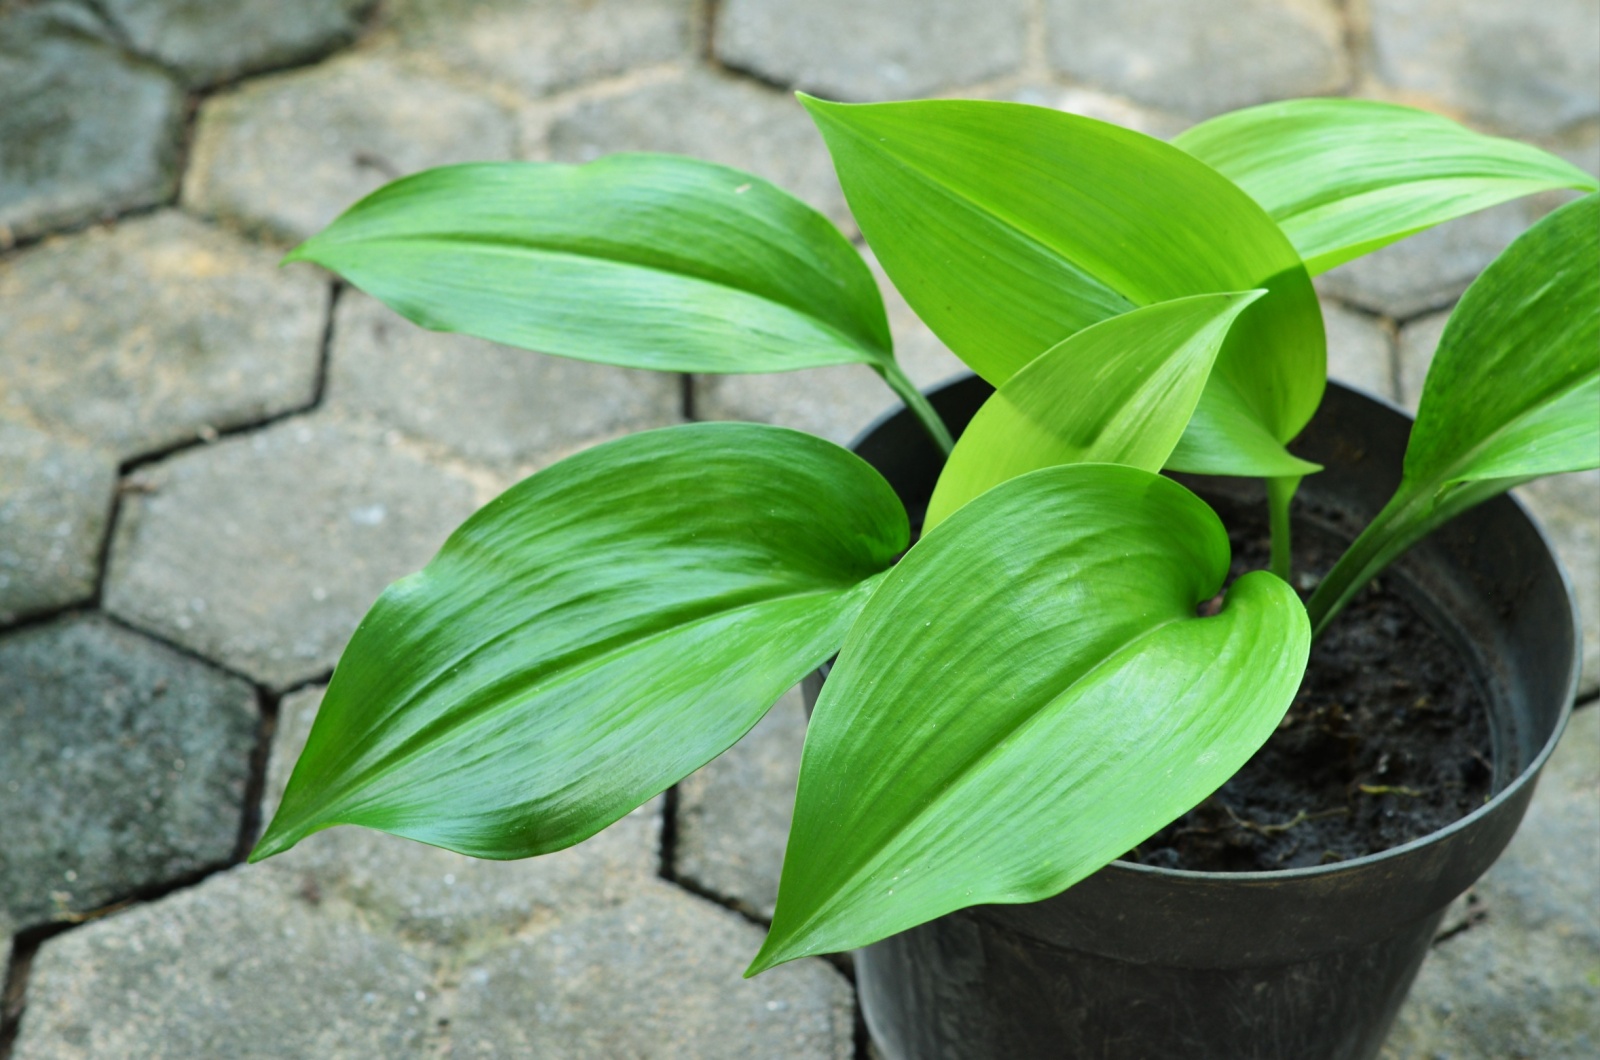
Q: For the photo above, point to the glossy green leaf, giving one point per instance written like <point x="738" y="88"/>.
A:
<point x="647" y="261"/>
<point x="1028" y="694"/>
<point x="1347" y="176"/>
<point x="1117" y="392"/>
<point x="1008" y="228"/>
<point x="591" y="637"/>
<point x="1513" y="393"/>
<point x="1223" y="438"/>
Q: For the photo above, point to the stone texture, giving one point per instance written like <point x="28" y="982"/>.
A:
<point x="715" y="118"/>
<point x="1430" y="269"/>
<point x="1200" y="57"/>
<point x="444" y="897"/>
<point x="538" y="46"/>
<point x="1568" y="506"/>
<point x="55" y="500"/>
<point x="84" y="131"/>
<point x="264" y="551"/>
<point x="1524" y="982"/>
<point x="487" y="403"/>
<point x="285" y="155"/>
<point x="836" y="402"/>
<point x="656" y="976"/>
<point x="211" y="42"/>
<point x="1532" y="68"/>
<point x="1360" y="350"/>
<point x="734" y="812"/>
<point x="1418" y="341"/>
<point x="123" y="766"/>
<point x="890" y="49"/>
<point x="1100" y="106"/>
<point x="241" y="966"/>
<point x="148" y="333"/>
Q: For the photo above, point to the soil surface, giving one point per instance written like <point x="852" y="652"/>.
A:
<point x="1388" y="739"/>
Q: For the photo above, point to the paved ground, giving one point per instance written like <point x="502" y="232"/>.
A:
<point x="209" y="467"/>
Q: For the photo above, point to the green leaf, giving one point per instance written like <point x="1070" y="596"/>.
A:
<point x="1347" y="176"/>
<point x="591" y="637"/>
<point x="1223" y="438"/>
<point x="647" y="261"/>
<point x="1513" y="393"/>
<point x="1028" y="694"/>
<point x="1117" y="392"/>
<point x="1009" y="228"/>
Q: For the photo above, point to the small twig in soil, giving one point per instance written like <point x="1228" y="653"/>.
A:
<point x="1389" y="789"/>
<point x="1300" y="817"/>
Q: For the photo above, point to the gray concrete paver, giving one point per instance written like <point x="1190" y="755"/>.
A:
<point x="494" y="405"/>
<point x="211" y="42"/>
<point x="150" y="332"/>
<point x="85" y="131"/>
<point x="446" y="898"/>
<point x="244" y="966"/>
<point x="658" y="975"/>
<point x="1200" y="57"/>
<point x="123" y="766"/>
<point x="536" y="47"/>
<point x="1529" y="67"/>
<point x="263" y="552"/>
<point x="734" y="811"/>
<point x="55" y="502"/>
<point x="1524" y="981"/>
<point x="284" y="155"/>
<point x="889" y="49"/>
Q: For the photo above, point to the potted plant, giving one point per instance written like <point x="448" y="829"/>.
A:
<point x="1048" y="676"/>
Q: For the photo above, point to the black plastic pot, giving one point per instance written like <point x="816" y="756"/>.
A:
<point x="1306" y="964"/>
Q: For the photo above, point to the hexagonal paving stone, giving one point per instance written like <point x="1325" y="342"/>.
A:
<point x="1430" y="269"/>
<point x="658" y="975"/>
<point x="538" y="46"/>
<point x="1418" y="341"/>
<point x="287" y="154"/>
<point x="445" y="897"/>
<point x="84" y="130"/>
<point x="55" y="500"/>
<point x="142" y="335"/>
<point x="734" y="812"/>
<point x="1533" y="68"/>
<point x="1568" y="506"/>
<point x="890" y="49"/>
<point x="1200" y="57"/>
<point x="716" y="118"/>
<point x="1525" y="980"/>
<point x="208" y="43"/>
<point x="123" y="766"/>
<point x="486" y="402"/>
<point x="836" y="402"/>
<point x="1360" y="351"/>
<point x="263" y="552"/>
<point x="241" y="966"/>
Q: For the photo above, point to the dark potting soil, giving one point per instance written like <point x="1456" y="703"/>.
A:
<point x="1387" y="740"/>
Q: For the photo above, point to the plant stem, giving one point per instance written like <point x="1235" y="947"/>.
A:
<point x="907" y="391"/>
<point x="1280" y="491"/>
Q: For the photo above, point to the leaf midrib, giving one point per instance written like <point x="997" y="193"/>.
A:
<point x="957" y="194"/>
<point x="552" y="677"/>
<point x="528" y="248"/>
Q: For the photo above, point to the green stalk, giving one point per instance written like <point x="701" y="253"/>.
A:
<point x="907" y="391"/>
<point x="1280" y="491"/>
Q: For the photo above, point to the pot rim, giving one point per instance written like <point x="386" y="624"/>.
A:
<point x="1526" y="776"/>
